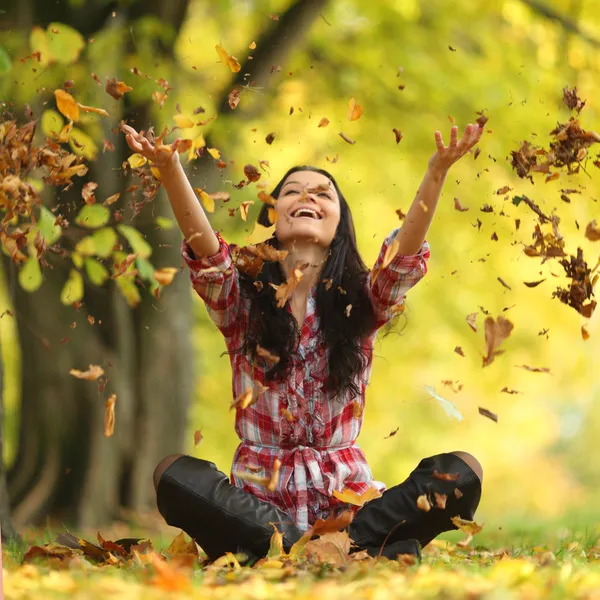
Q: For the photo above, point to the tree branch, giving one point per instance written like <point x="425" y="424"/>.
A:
<point x="568" y="24"/>
<point x="274" y="45"/>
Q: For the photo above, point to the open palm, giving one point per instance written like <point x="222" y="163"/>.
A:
<point x="446" y="156"/>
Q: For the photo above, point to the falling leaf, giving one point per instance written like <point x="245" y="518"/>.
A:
<point x="260" y="234"/>
<point x="268" y="482"/>
<point x="66" y="105"/>
<point x="592" y="231"/>
<point x="165" y="275"/>
<point x="504" y="283"/>
<point x="468" y="527"/>
<point x="266" y="198"/>
<point x="351" y="497"/>
<point x="284" y="291"/>
<point x="346" y="138"/>
<point x="93" y="109"/>
<point x="532" y="284"/>
<point x="471" y="321"/>
<point x="116" y="88"/>
<point x="534" y="369"/>
<point x="112" y="199"/>
<point x="488" y="413"/>
<point x="214" y="153"/>
<point x="392" y="433"/>
<point x="229" y="60"/>
<point x="423" y="503"/>
<point x="234" y="98"/>
<point x="398" y="135"/>
<point x="495" y="333"/>
<point x="252" y="46"/>
<point x="252" y="173"/>
<point x="270" y="138"/>
<point x="243" y="400"/>
<point x="272" y="215"/>
<point x="323" y="122"/>
<point x="332" y="524"/>
<point x="109" y="416"/>
<point x="459" y="351"/>
<point x="449" y="407"/>
<point x="197" y="437"/>
<point x="183" y="122"/>
<point x="92" y="374"/>
<point x="459" y="206"/>
<point x="354" y="110"/>
<point x="136" y="161"/>
<point x="87" y="192"/>
<point x="244" y="209"/>
<point x="207" y="200"/>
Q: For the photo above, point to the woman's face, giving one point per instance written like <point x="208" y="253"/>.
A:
<point x="308" y="209"/>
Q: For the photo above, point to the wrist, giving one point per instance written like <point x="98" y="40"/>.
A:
<point x="437" y="172"/>
<point x="170" y="168"/>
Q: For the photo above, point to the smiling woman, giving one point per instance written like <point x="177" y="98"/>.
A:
<point x="300" y="331"/>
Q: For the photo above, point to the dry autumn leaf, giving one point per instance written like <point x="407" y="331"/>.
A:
<point x="244" y="209"/>
<point x="183" y="122"/>
<point x="109" y="416"/>
<point x="230" y="61"/>
<point x="488" y="413"/>
<point x="92" y="374"/>
<point x="323" y="122"/>
<point x="592" y="231"/>
<point x="197" y="437"/>
<point x="351" y="497"/>
<point x="66" y="105"/>
<point x="471" y="321"/>
<point x="423" y="503"/>
<point x="207" y="200"/>
<point x="458" y="206"/>
<point x="165" y="275"/>
<point x="269" y="482"/>
<point x="117" y="88"/>
<point x="354" y="110"/>
<point x="495" y="333"/>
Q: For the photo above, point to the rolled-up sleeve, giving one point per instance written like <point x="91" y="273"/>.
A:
<point x="391" y="283"/>
<point x="216" y="280"/>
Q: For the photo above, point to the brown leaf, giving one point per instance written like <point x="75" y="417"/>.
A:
<point x="87" y="192"/>
<point x="285" y="290"/>
<point x="504" y="283"/>
<point x="330" y="548"/>
<point x="585" y="334"/>
<point x="440" y="500"/>
<point x="495" y="333"/>
<point x="268" y="356"/>
<point x="93" y="373"/>
<point x="234" y="98"/>
<point x="535" y="369"/>
<point x="445" y="476"/>
<point x="332" y="524"/>
<point x="488" y="413"/>
<point x="252" y="173"/>
<point x="346" y="138"/>
<point x="507" y="391"/>
<point x="458" y="206"/>
<point x="592" y="231"/>
<point x="197" y="437"/>
<point x="459" y="351"/>
<point x="269" y="482"/>
<point x="323" y="122"/>
<point x="109" y="416"/>
<point x="270" y="138"/>
<point x="533" y="284"/>
<point x="117" y="88"/>
<point x="398" y="135"/>
<point x="392" y="433"/>
<point x="471" y="321"/>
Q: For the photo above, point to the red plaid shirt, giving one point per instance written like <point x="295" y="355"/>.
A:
<point x="318" y="449"/>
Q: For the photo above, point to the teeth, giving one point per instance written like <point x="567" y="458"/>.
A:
<point x="306" y="212"/>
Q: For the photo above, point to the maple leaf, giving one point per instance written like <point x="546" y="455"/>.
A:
<point x="495" y="333"/>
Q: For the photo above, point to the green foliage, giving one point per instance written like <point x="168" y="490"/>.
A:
<point x="137" y="242"/>
<point x="93" y="216"/>
<point x="5" y="62"/>
<point x="73" y="288"/>
<point x="30" y="275"/>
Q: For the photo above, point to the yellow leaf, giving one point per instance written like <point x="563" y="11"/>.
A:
<point x="324" y="122"/>
<point x="252" y="46"/>
<point x="347" y="495"/>
<point x="155" y="172"/>
<point x="207" y="200"/>
<point x="93" y="109"/>
<point x="93" y="373"/>
<point x="272" y="214"/>
<point x="244" y="209"/>
<point x="214" y="153"/>
<point x="137" y="160"/>
<point x="229" y="60"/>
<point x="183" y="122"/>
<point x="66" y="105"/>
<point x="165" y="275"/>
<point x="354" y="110"/>
<point x="260" y="234"/>
<point x="197" y="143"/>
<point x="82" y="144"/>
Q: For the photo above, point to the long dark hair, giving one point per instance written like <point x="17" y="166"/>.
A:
<point x="342" y="282"/>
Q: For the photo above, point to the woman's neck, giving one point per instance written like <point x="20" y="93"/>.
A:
<point x="302" y="253"/>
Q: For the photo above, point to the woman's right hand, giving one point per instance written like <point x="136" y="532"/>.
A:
<point x="162" y="156"/>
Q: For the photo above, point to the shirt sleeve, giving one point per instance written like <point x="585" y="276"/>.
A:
<point x="392" y="283"/>
<point x="216" y="280"/>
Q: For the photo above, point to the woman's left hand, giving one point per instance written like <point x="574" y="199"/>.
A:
<point x="446" y="156"/>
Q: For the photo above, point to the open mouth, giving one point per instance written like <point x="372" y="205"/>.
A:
<point x="306" y="213"/>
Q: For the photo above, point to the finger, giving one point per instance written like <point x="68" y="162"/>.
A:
<point x="146" y="144"/>
<point x="468" y="137"/>
<point x="439" y="141"/>
<point x="128" y="129"/>
<point x="453" y="136"/>
<point x="133" y="144"/>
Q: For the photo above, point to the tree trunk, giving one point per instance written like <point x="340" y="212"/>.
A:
<point x="7" y="528"/>
<point x="65" y="467"/>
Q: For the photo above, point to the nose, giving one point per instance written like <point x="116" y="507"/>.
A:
<point x="311" y="196"/>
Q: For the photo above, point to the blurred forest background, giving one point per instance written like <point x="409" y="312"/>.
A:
<point x="415" y="66"/>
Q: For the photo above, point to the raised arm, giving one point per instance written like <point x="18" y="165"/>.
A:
<point x="416" y="224"/>
<point x="188" y="211"/>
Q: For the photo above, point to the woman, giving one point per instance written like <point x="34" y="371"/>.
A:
<point x="300" y="330"/>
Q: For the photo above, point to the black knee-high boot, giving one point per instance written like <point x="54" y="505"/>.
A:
<point x="195" y="496"/>
<point x="395" y="516"/>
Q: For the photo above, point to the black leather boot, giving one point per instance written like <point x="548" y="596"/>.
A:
<point x="195" y="496"/>
<point x="395" y="516"/>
